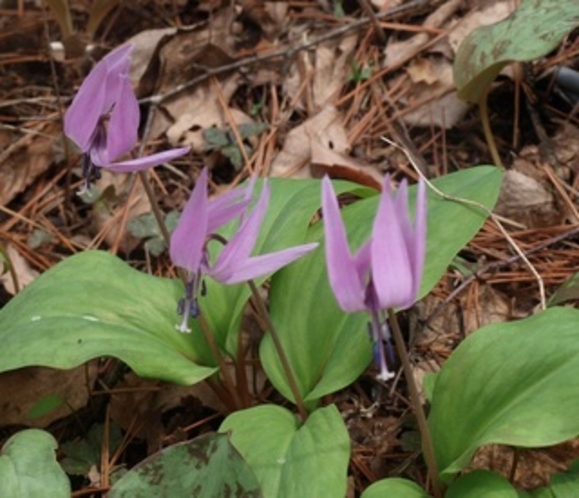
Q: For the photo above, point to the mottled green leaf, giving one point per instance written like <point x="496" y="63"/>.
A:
<point x="208" y="466"/>
<point x="532" y="31"/>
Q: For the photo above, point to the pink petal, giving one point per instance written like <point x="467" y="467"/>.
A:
<point x="345" y="280"/>
<point x="227" y="207"/>
<point x="238" y="249"/>
<point x="92" y="100"/>
<point x="391" y="270"/>
<point x="124" y="122"/>
<point x="188" y="239"/>
<point x="260" y="266"/>
<point x="142" y="163"/>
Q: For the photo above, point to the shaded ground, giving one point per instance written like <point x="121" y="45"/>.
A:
<point x="308" y="88"/>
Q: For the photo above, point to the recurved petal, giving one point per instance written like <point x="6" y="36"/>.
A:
<point x="238" y="249"/>
<point x="260" y="266"/>
<point x="142" y="163"/>
<point x="188" y="239"/>
<point x="124" y="122"/>
<point x="346" y="282"/>
<point x="391" y="266"/>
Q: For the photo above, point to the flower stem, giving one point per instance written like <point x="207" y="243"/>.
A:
<point x="155" y="206"/>
<point x="258" y="301"/>
<point x="427" y="446"/>
<point x="227" y="380"/>
<point x="486" y="124"/>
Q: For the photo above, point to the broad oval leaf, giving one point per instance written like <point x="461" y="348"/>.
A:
<point x="532" y="31"/>
<point x="327" y="348"/>
<point x="394" y="486"/>
<point x="481" y="483"/>
<point x="509" y="383"/>
<point x="289" y="460"/>
<point x="28" y="467"/>
<point x="93" y="304"/>
<point x="205" y="466"/>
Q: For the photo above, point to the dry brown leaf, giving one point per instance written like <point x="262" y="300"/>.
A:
<point x="397" y="52"/>
<point x="21" y="389"/>
<point x="269" y="16"/>
<point x="526" y="200"/>
<point x="491" y="13"/>
<point x="338" y="165"/>
<point x="24" y="158"/>
<point x="432" y="97"/>
<point x="109" y="210"/>
<point x="201" y="111"/>
<point x="24" y="272"/>
<point x="145" y="43"/>
<point x="332" y="68"/>
<point x="326" y="128"/>
<point x="328" y="67"/>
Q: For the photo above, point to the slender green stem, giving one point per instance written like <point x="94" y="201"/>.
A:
<point x="427" y="446"/>
<point x="290" y="377"/>
<point x="155" y="206"/>
<point x="486" y="124"/>
<point x="227" y="380"/>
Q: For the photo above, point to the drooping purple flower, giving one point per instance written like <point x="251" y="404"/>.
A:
<point x="107" y="95"/>
<point x="386" y="271"/>
<point x="234" y="264"/>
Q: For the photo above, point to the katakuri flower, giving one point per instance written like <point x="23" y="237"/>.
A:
<point x="234" y="264"/>
<point x="103" y="119"/>
<point x="386" y="271"/>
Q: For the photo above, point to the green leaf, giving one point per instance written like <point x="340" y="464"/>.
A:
<point x="45" y="405"/>
<point x="28" y="467"/>
<point x="248" y="130"/>
<point x="569" y="291"/>
<point x="532" y="31"/>
<point x="481" y="483"/>
<point x="143" y="226"/>
<point x="289" y="460"/>
<point x="93" y="304"/>
<point x="327" y="348"/>
<point x="509" y="383"/>
<point x="206" y="466"/>
<point x="394" y="486"/>
<point x="216" y="138"/>
<point x="85" y="453"/>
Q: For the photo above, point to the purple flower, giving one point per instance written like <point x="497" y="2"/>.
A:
<point x="234" y="264"/>
<point x="386" y="270"/>
<point x="107" y="93"/>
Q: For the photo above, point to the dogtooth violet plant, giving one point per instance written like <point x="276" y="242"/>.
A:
<point x="94" y="304"/>
<point x="103" y="120"/>
<point x="196" y="228"/>
<point x="385" y="273"/>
